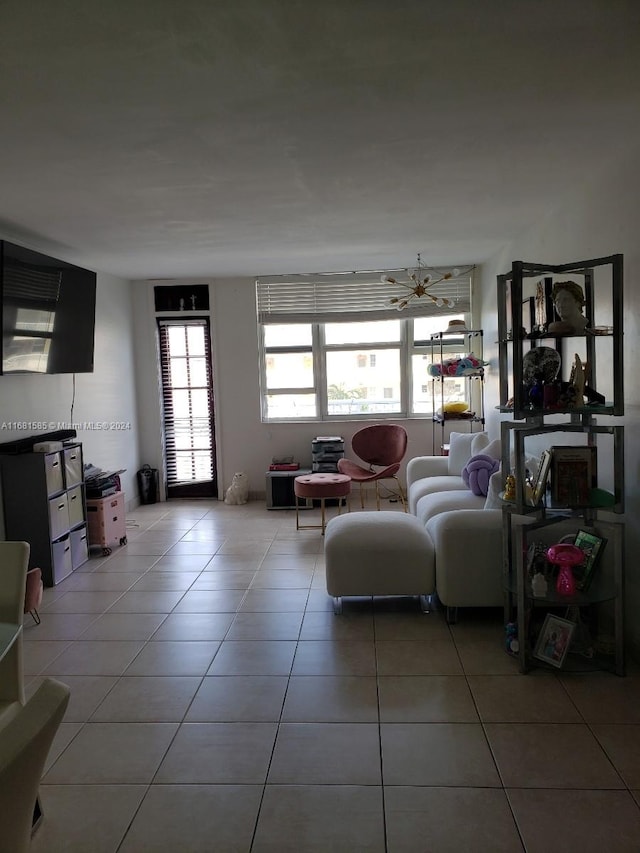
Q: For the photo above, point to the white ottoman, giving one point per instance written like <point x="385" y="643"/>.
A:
<point x="378" y="553"/>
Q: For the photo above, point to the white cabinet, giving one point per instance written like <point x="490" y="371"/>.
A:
<point x="44" y="505"/>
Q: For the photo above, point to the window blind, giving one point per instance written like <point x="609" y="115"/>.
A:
<point x="349" y="297"/>
<point x="188" y="428"/>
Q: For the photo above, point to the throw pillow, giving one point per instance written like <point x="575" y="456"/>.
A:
<point x="479" y="443"/>
<point x="463" y="445"/>
<point x="496" y="487"/>
<point x="493" y="449"/>
<point x="477" y="472"/>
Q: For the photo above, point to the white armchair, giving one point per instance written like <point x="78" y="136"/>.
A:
<point x="25" y="741"/>
<point x="14" y="560"/>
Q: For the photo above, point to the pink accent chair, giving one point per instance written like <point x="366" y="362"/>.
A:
<point x="382" y="447"/>
<point x="33" y="594"/>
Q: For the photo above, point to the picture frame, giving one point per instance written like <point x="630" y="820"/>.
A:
<point x="539" y="485"/>
<point x="573" y="474"/>
<point x="554" y="640"/>
<point x="593" y="546"/>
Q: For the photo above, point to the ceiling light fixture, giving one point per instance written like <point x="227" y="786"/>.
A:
<point x="421" y="280"/>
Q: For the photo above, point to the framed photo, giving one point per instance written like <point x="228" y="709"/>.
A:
<point x="539" y="485"/>
<point x="573" y="474"/>
<point x="593" y="547"/>
<point x="554" y="640"/>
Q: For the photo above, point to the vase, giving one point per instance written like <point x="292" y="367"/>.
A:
<point x="565" y="583"/>
<point x="565" y="556"/>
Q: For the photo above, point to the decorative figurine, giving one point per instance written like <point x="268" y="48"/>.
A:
<point x="577" y="379"/>
<point x="568" y="300"/>
<point x="539" y="585"/>
<point x="510" y="488"/>
<point x="193" y="301"/>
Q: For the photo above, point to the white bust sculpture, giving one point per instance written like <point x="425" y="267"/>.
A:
<point x="568" y="300"/>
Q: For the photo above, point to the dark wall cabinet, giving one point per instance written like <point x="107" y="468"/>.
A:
<point x="45" y="505"/>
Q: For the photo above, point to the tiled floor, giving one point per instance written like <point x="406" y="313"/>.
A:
<point x="219" y="705"/>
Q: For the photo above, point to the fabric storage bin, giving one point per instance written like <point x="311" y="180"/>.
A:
<point x="73" y="469"/>
<point x="53" y="473"/>
<point x="76" y="506"/>
<point x="62" y="565"/>
<point x="79" y="547"/>
<point x="58" y="516"/>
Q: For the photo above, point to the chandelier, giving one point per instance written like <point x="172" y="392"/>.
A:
<point x="421" y="280"/>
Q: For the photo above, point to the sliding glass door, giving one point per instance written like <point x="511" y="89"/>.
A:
<point x="187" y="396"/>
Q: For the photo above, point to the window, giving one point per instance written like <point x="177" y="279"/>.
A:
<point x="187" y="396"/>
<point x="332" y="349"/>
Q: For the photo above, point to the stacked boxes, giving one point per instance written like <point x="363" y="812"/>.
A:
<point x="325" y="452"/>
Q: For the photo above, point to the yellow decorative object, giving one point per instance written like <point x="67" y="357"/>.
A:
<point x="455" y="408"/>
<point x="510" y="488"/>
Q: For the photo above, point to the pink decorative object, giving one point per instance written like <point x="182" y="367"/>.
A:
<point x="565" y="556"/>
<point x="33" y="594"/>
<point x="477" y="473"/>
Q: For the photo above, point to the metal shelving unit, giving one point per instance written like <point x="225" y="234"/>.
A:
<point x="442" y="344"/>
<point x="598" y="612"/>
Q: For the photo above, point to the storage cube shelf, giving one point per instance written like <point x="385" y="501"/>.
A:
<point x="44" y="505"/>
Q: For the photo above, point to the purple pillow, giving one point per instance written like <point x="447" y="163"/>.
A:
<point x="477" y="473"/>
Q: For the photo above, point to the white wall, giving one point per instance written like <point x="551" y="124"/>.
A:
<point x="243" y="442"/>
<point x="105" y="396"/>
<point x="602" y="218"/>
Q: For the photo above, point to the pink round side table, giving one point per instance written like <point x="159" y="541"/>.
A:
<point x="320" y="487"/>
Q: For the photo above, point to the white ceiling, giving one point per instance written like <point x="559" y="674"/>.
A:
<point x="176" y="138"/>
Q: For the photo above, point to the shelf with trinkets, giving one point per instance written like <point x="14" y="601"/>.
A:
<point x="459" y="375"/>
<point x="561" y="379"/>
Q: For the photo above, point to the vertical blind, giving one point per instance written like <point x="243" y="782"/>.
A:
<point x="187" y="396"/>
<point x="349" y="297"/>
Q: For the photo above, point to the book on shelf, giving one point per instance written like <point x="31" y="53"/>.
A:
<point x="573" y="474"/>
<point x="539" y="483"/>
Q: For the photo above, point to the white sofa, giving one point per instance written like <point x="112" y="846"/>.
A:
<point x="466" y="529"/>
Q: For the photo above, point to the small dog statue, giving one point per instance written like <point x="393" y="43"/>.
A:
<point x="238" y="491"/>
